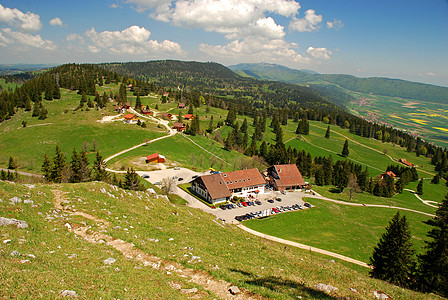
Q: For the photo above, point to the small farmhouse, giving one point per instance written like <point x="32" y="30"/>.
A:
<point x="131" y="119"/>
<point x="389" y="173"/>
<point x="146" y="111"/>
<point x="179" y="126"/>
<point x="405" y="162"/>
<point x="189" y="117"/>
<point x="127" y="105"/>
<point x="155" y="158"/>
<point x="165" y="116"/>
<point x="181" y="105"/>
<point x="285" y="177"/>
<point x="119" y="109"/>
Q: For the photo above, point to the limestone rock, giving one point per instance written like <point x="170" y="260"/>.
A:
<point x="234" y="290"/>
<point x="68" y="293"/>
<point x="109" y="261"/>
<point x="325" y="288"/>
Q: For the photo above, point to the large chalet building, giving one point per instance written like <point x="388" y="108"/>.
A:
<point x="220" y="187"/>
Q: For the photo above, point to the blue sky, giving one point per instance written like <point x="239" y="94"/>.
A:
<point x="396" y="39"/>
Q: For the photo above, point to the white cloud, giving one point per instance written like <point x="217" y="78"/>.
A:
<point x="319" y="53"/>
<point x="17" y="38"/>
<point x="132" y="40"/>
<point x="253" y="49"/>
<point x="335" y="24"/>
<point x="73" y="37"/>
<point x="27" y="22"/>
<point x="310" y="22"/>
<point x="56" y="22"/>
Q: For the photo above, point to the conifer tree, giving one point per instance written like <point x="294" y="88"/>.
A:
<point x="132" y="181"/>
<point x="12" y="165"/>
<point x="138" y="103"/>
<point x="28" y="103"/>
<point x="58" y="166"/>
<point x="75" y="166"/>
<point x="420" y="187"/>
<point x="327" y="133"/>
<point x="99" y="169"/>
<point x="263" y="149"/>
<point x="231" y="116"/>
<point x="432" y="273"/>
<point x="345" y="150"/>
<point x="392" y="259"/>
<point x="46" y="168"/>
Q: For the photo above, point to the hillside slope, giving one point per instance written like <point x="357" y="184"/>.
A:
<point x="97" y="240"/>
<point x="375" y="85"/>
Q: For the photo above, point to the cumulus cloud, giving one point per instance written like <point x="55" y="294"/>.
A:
<point x="335" y="24"/>
<point x="132" y="40"/>
<point x="10" y="37"/>
<point x="73" y="37"/>
<point x="319" y="53"/>
<point x="56" y="22"/>
<point x="310" y="22"/>
<point x="26" y="22"/>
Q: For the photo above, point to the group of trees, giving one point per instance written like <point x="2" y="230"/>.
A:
<point x="78" y="169"/>
<point x="393" y="258"/>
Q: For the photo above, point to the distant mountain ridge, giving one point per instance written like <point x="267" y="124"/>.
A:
<point x="376" y="85"/>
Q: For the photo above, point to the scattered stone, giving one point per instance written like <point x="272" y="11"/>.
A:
<point x="31" y="186"/>
<point x="198" y="258"/>
<point x="116" y="227"/>
<point x="25" y="261"/>
<point x="117" y="269"/>
<point x="189" y="291"/>
<point x="332" y="261"/>
<point x="381" y="295"/>
<point x="215" y="267"/>
<point x="174" y="286"/>
<point x="18" y="223"/>
<point x="15" y="200"/>
<point x="154" y="240"/>
<point x="31" y="255"/>
<point x="234" y="290"/>
<point x="325" y="288"/>
<point x="71" y="256"/>
<point x="15" y="253"/>
<point x="68" y="293"/>
<point x="353" y="290"/>
<point x="6" y="241"/>
<point x="28" y="201"/>
<point x="170" y="239"/>
<point x="109" y="261"/>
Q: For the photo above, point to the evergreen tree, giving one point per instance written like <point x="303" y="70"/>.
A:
<point x="43" y="113"/>
<point x="58" y="166"/>
<point x="190" y="110"/>
<point x="392" y="258"/>
<point x="36" y="109"/>
<point x="47" y="168"/>
<point x="75" y="166"/>
<point x="90" y="103"/>
<point x="345" y="150"/>
<point x="12" y="164"/>
<point x="210" y="125"/>
<point x="420" y="187"/>
<point x="28" y="103"/>
<point x="138" y="103"/>
<point x="327" y="133"/>
<point x="399" y="186"/>
<point x="263" y="149"/>
<point x="435" y="179"/>
<point x="231" y="116"/>
<point x="132" y="181"/>
<point x="432" y="273"/>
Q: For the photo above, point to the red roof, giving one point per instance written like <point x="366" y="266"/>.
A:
<point x="243" y="178"/>
<point x="188" y="116"/>
<point x="152" y="156"/>
<point x="390" y="173"/>
<point x="129" y="116"/>
<point x="289" y="175"/>
<point x="404" y="161"/>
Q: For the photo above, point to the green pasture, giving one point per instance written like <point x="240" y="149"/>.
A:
<point x="68" y="129"/>
<point x="348" y="230"/>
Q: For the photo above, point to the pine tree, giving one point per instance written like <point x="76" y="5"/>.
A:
<point x="345" y="150"/>
<point x="231" y="116"/>
<point x="138" y="103"/>
<point x="28" y="103"/>
<point x="46" y="168"/>
<point x="58" y="166"/>
<point x="99" y="169"/>
<point x="432" y="273"/>
<point x="132" y="181"/>
<point x="75" y="167"/>
<point x="392" y="259"/>
<point x="420" y="187"/>
<point x="12" y="165"/>
<point x="327" y="133"/>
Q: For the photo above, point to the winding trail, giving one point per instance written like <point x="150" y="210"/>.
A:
<point x="220" y="288"/>
<point x="204" y="149"/>
<point x="302" y="246"/>
<point x="426" y="202"/>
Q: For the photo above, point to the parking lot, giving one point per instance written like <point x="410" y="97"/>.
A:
<point x="286" y="200"/>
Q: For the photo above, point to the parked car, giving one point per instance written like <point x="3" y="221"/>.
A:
<point x="284" y="192"/>
<point x="271" y="201"/>
<point x="157" y="183"/>
<point x="258" y="202"/>
<point x="145" y="176"/>
<point x="278" y="199"/>
<point x="180" y="179"/>
<point x="244" y="204"/>
<point x="176" y="168"/>
<point x="194" y="176"/>
<point x="307" y="204"/>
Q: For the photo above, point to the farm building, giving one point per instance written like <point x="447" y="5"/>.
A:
<point x="131" y="119"/>
<point x="389" y="173"/>
<point x="127" y="105"/>
<point x="165" y="116"/>
<point x="285" y="177"/>
<point x="181" y="105"/>
<point x="188" y="117"/>
<point x="146" y="111"/>
<point x="405" y="162"/>
<point x="155" y="158"/>
<point x="179" y="126"/>
<point x="219" y="187"/>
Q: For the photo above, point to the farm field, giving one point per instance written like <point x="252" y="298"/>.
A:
<point x="423" y="118"/>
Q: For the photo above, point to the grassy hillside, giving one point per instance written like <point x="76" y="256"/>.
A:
<point x="161" y="249"/>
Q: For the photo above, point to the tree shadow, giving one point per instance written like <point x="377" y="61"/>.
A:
<point x="284" y="286"/>
<point x="335" y="190"/>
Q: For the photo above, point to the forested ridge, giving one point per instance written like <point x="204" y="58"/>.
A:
<point x="376" y="85"/>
